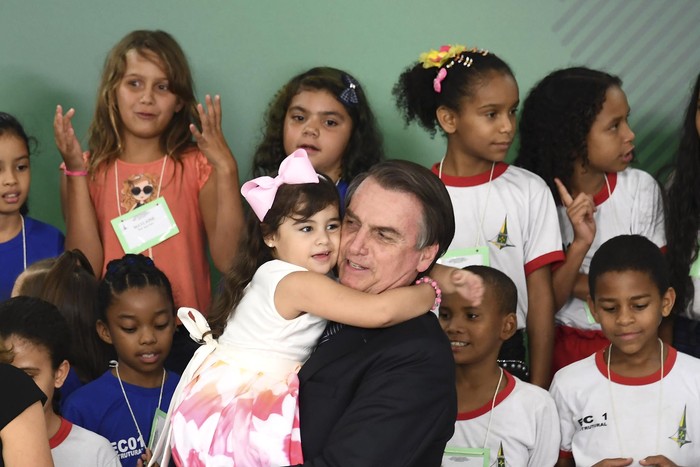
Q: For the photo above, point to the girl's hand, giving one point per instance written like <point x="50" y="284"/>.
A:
<point x="580" y="212"/>
<point x="66" y="141"/>
<point x="211" y="139"/>
<point x="468" y="285"/>
<point x="145" y="458"/>
<point x="657" y="461"/>
<point x="617" y="462"/>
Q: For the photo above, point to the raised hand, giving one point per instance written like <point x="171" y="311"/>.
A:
<point x="468" y="285"/>
<point x="66" y="141"/>
<point x="580" y="212"/>
<point x="211" y="139"/>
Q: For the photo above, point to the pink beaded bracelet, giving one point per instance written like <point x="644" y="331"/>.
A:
<point x="434" y="285"/>
<point x="75" y="173"/>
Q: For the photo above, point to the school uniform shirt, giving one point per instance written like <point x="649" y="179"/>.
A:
<point x="42" y="241"/>
<point x="629" y="417"/>
<point x="523" y="427"/>
<point x="632" y="206"/>
<point x="100" y="406"/>
<point x="73" y="446"/>
<point x="520" y="226"/>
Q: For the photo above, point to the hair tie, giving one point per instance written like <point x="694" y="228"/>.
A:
<point x="437" y="82"/>
<point x="349" y="95"/>
<point x="294" y="169"/>
<point x="119" y="265"/>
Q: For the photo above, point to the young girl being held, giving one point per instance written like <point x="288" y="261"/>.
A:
<point x="574" y="133"/>
<point x="143" y="126"/>
<point x="239" y="394"/>
<point x="137" y="317"/>
<point x="69" y="283"/>
<point x="23" y="240"/>
<point x="505" y="216"/>
<point x="325" y="112"/>
<point x="683" y="225"/>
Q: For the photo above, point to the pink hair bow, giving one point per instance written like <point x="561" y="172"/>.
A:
<point x="294" y="169"/>
<point x="437" y="82"/>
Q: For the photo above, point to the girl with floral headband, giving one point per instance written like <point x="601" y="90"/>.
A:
<point x="237" y="400"/>
<point x="325" y="112"/>
<point x="505" y="216"/>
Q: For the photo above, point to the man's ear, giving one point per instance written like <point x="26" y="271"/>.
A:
<point x="427" y="255"/>
<point x="103" y="331"/>
<point x="447" y="118"/>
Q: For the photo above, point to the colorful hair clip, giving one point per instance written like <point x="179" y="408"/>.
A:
<point x="349" y="94"/>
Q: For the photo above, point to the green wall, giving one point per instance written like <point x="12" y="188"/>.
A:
<point x="52" y="52"/>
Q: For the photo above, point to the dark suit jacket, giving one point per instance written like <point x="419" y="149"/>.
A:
<point x="379" y="397"/>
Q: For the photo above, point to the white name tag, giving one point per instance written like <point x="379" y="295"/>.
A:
<point x="145" y="226"/>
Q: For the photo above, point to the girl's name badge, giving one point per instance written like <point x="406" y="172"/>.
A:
<point x="460" y="258"/>
<point x="145" y="226"/>
<point x="469" y="457"/>
<point x="157" y="427"/>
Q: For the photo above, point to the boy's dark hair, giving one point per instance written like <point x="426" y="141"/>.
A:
<point x="299" y="201"/>
<point x="40" y="323"/>
<point x="683" y="206"/>
<point x="557" y="116"/>
<point x="364" y="148"/>
<point x="417" y="100"/>
<point x="129" y="272"/>
<point x="629" y="253"/>
<point x="504" y="289"/>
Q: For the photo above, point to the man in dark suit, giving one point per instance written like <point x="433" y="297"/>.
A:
<point x="384" y="397"/>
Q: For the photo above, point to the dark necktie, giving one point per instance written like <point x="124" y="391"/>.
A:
<point x="331" y="329"/>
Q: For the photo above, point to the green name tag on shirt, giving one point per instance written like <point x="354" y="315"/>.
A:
<point x="462" y="257"/>
<point x="145" y="226"/>
<point x="695" y="268"/>
<point x="157" y="427"/>
<point x="469" y="457"/>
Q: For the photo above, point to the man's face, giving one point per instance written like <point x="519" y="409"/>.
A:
<point x="378" y="240"/>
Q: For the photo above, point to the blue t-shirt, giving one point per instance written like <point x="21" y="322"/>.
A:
<point x="99" y="406"/>
<point x="43" y="241"/>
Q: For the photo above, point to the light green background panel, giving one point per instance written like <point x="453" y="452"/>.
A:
<point x="52" y="53"/>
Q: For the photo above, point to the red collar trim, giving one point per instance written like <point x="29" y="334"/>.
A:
<point x="486" y="408"/>
<point x="61" y="434"/>
<point x="474" y="180"/>
<point x="602" y="365"/>
<point x="603" y="194"/>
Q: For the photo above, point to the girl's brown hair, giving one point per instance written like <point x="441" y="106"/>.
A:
<point x="105" y="138"/>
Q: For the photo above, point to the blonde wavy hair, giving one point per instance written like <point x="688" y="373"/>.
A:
<point x="105" y="138"/>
